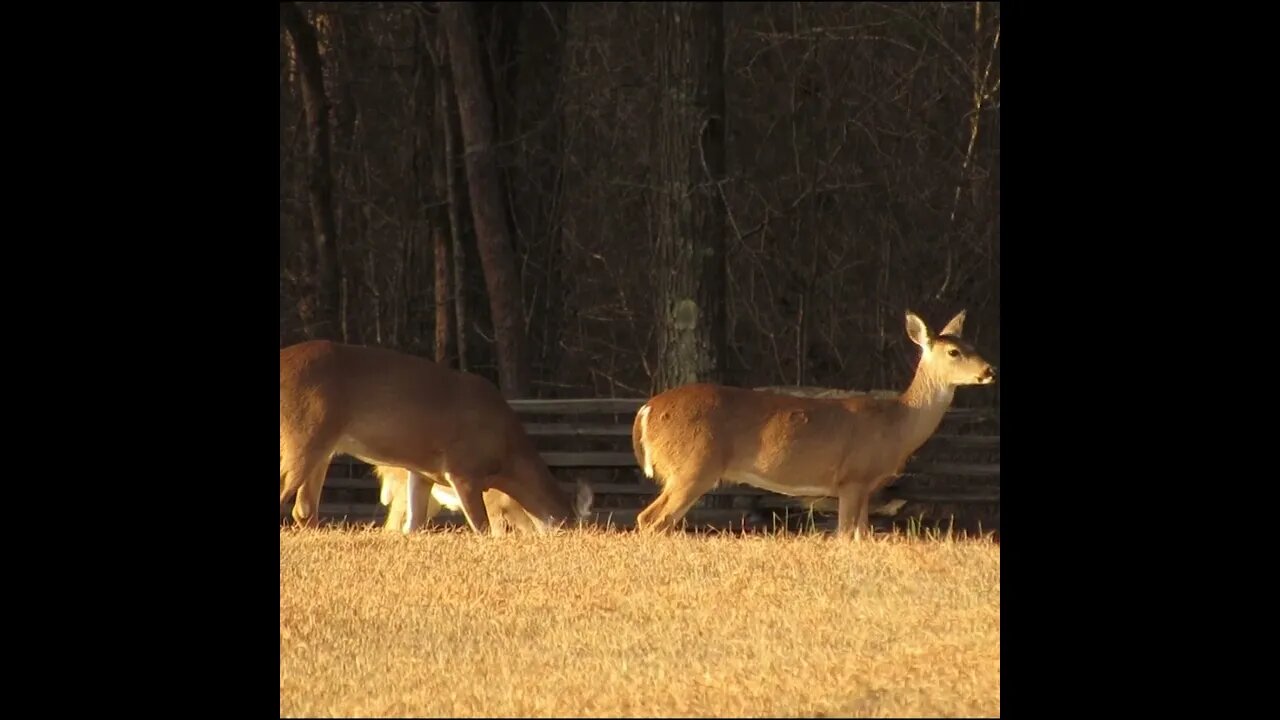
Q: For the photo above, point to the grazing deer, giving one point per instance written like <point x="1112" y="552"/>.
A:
<point x="388" y="408"/>
<point x="503" y="512"/>
<point x="692" y="437"/>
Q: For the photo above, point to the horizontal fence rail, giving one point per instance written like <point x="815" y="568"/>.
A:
<point x="933" y="477"/>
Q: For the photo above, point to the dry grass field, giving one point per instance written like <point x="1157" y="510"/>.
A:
<point x="589" y="623"/>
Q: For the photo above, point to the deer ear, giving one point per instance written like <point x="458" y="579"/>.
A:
<point x="917" y="330"/>
<point x="956" y="326"/>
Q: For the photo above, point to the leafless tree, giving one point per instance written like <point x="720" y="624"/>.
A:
<point x="323" y="320"/>
<point x="860" y="177"/>
<point x="488" y="207"/>
<point x="690" y="210"/>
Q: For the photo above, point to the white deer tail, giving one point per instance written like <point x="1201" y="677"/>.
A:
<point x="642" y="442"/>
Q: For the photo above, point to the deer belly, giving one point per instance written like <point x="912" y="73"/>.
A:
<point x="374" y="455"/>
<point x="802" y="489"/>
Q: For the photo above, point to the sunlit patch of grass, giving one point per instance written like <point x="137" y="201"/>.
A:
<point x="589" y="623"/>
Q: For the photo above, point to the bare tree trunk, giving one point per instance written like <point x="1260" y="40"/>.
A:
<point x="284" y="77"/>
<point x="442" y="293"/>
<point x="691" y="234"/>
<point x="325" y="322"/>
<point x="537" y="140"/>
<point x="345" y="49"/>
<point x="459" y="249"/>
<point x="446" y="176"/>
<point x="427" y="128"/>
<point x="487" y="205"/>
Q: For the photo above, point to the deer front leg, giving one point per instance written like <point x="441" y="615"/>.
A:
<point x="854" y="500"/>
<point x="471" y="497"/>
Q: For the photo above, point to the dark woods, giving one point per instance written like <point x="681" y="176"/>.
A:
<point x="596" y="199"/>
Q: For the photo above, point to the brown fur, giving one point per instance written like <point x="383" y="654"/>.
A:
<point x="699" y="435"/>
<point x="389" y="408"/>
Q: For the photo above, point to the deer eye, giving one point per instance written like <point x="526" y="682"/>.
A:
<point x="953" y="352"/>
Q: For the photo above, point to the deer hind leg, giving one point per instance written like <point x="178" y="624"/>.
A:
<point x="304" y="461"/>
<point x="527" y="498"/>
<point x="518" y="520"/>
<point x="302" y="470"/>
<point x="497" y="523"/>
<point x="496" y="510"/>
<point x="855" y="500"/>
<point x="393" y="495"/>
<point x="505" y="514"/>
<point x="679" y="493"/>
<point x="395" y="513"/>
<point x="303" y="473"/>
<point x="512" y="496"/>
<point x="653" y="510"/>
<point x="412" y="504"/>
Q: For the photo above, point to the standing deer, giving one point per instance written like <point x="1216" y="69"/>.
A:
<point x="395" y="493"/>
<point x="690" y="438"/>
<point x="388" y="408"/>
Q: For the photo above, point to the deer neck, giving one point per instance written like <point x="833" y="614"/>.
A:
<point x="926" y="401"/>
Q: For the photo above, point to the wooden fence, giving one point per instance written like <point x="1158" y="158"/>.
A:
<point x="955" y="475"/>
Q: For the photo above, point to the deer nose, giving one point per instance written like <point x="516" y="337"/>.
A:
<point x="989" y="373"/>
